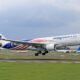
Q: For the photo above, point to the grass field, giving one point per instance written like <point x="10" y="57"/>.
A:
<point x="39" y="71"/>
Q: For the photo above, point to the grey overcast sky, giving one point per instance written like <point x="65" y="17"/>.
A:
<point x="26" y="19"/>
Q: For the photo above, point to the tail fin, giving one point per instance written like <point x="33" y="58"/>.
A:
<point x="2" y="37"/>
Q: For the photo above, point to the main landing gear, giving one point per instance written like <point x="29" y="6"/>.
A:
<point x="39" y="52"/>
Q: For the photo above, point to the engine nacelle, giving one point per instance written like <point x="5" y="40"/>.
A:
<point x="50" y="46"/>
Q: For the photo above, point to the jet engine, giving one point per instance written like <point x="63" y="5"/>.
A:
<point x="50" y="47"/>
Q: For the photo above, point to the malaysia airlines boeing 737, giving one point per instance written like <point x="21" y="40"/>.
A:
<point x="42" y="45"/>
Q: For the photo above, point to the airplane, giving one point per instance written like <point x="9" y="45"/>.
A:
<point x="43" y="44"/>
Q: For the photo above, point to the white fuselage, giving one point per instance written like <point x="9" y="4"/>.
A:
<point x="48" y="43"/>
<point x="65" y="40"/>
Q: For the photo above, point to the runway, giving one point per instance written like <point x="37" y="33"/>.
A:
<point x="41" y="60"/>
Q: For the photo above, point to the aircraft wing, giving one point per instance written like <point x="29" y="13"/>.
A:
<point x="25" y="42"/>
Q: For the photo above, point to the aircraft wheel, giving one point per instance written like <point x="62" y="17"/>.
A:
<point x="43" y="53"/>
<point x="46" y="52"/>
<point x="39" y="52"/>
<point x="36" y="54"/>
